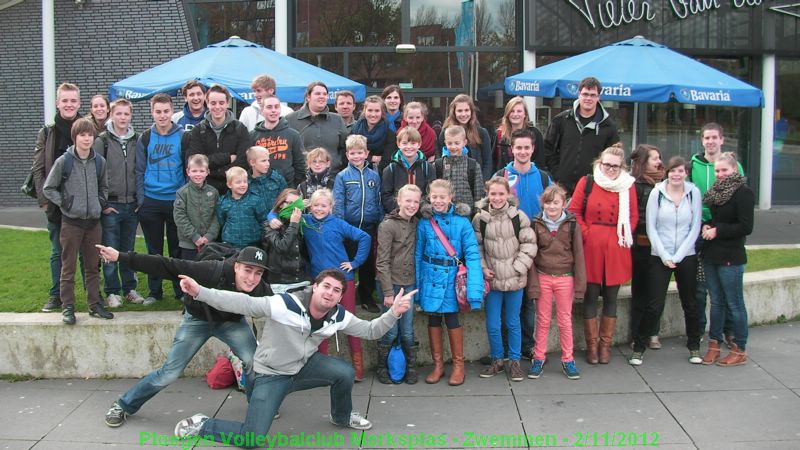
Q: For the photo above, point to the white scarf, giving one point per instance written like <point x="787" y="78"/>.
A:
<point x="620" y="185"/>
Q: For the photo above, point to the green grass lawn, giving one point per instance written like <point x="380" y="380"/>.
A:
<point x="25" y="275"/>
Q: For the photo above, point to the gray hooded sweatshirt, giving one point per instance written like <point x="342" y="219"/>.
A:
<point x="81" y="197"/>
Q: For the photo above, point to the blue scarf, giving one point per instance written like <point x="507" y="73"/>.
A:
<point x="376" y="137"/>
<point x="394" y="119"/>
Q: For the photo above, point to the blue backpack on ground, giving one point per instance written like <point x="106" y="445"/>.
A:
<point x="396" y="362"/>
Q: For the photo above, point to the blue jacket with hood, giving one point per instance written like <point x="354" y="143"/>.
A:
<point x="436" y="270"/>
<point x="527" y="187"/>
<point x="159" y="167"/>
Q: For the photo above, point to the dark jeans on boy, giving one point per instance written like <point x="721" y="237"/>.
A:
<point x="154" y="217"/>
<point x="119" y="232"/>
<point x="77" y="239"/>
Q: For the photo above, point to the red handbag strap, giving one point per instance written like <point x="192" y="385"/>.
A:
<point x="443" y="239"/>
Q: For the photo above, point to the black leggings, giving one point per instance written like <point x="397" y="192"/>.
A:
<point x="450" y="319"/>
<point x="609" y="300"/>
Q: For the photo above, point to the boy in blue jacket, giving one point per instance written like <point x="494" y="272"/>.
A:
<point x="357" y="200"/>
<point x="160" y="152"/>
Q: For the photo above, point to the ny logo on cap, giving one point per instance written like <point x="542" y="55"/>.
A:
<point x="259" y="255"/>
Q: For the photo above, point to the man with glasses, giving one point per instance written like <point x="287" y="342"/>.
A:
<point x="577" y="136"/>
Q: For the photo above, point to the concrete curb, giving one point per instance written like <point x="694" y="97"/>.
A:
<point x="134" y="343"/>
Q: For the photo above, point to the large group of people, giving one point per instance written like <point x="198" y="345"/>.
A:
<point x="325" y="210"/>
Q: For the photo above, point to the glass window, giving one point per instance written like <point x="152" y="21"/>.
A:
<point x="488" y="23"/>
<point x="786" y="139"/>
<point x="216" y="21"/>
<point x="332" y="62"/>
<point x="347" y="23"/>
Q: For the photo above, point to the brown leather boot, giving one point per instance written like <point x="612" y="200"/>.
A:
<point x="457" y="352"/>
<point x="712" y="355"/>
<point x="590" y="331"/>
<point x="736" y="357"/>
<point x="358" y="365"/>
<point x="435" y="338"/>
<point x="608" y="326"/>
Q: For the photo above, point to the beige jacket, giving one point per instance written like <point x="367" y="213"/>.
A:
<point x="509" y="256"/>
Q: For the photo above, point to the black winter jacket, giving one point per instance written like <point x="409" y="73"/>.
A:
<point x="569" y="151"/>
<point x="286" y="254"/>
<point x="234" y="139"/>
<point x="212" y="274"/>
<point x="734" y="221"/>
<point x="395" y="176"/>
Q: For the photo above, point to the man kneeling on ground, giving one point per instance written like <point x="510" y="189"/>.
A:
<point x="200" y="322"/>
<point x="287" y="359"/>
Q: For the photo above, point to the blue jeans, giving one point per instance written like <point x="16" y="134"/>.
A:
<point x="191" y="335"/>
<point x="155" y="216"/>
<point x="119" y="232"/>
<point x="404" y="326"/>
<point x="269" y="391"/>
<point x="726" y="288"/>
<point x="54" y="233"/>
<point x="508" y="303"/>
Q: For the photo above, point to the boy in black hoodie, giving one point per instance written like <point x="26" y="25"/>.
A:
<point x="283" y="143"/>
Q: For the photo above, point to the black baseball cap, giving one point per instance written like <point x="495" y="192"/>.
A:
<point x="252" y="256"/>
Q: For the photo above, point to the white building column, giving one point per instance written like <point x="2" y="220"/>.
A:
<point x="767" y="129"/>
<point x="48" y="60"/>
<point x="529" y="63"/>
<point x="282" y="26"/>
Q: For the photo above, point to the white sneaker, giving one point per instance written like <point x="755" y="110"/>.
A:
<point x="357" y="421"/>
<point x="655" y="343"/>
<point x="135" y="297"/>
<point x="190" y="426"/>
<point x="636" y="359"/>
<point x="114" y="301"/>
<point x="149" y="301"/>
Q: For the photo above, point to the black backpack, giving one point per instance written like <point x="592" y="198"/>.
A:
<point x="515" y="221"/>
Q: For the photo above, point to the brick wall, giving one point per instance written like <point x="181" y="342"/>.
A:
<point x="104" y="42"/>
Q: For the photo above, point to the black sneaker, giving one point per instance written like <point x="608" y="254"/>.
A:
<point x="68" y="315"/>
<point x="115" y="416"/>
<point x="53" y="304"/>
<point x="98" y="310"/>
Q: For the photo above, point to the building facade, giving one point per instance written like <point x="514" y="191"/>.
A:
<point x="461" y="46"/>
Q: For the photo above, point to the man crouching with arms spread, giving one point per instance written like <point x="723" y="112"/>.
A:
<point x="286" y="359"/>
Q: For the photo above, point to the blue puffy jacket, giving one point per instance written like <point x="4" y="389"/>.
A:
<point x="357" y="197"/>
<point x="435" y="277"/>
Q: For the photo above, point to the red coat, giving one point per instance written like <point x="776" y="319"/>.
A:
<point x="606" y="261"/>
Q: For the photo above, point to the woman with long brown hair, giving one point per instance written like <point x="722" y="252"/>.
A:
<point x="462" y="112"/>
<point x="516" y="117"/>
<point x="647" y="169"/>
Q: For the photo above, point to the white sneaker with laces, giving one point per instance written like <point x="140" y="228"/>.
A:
<point x="357" y="421"/>
<point x="190" y="426"/>
<point x="114" y="301"/>
<point x="135" y="297"/>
